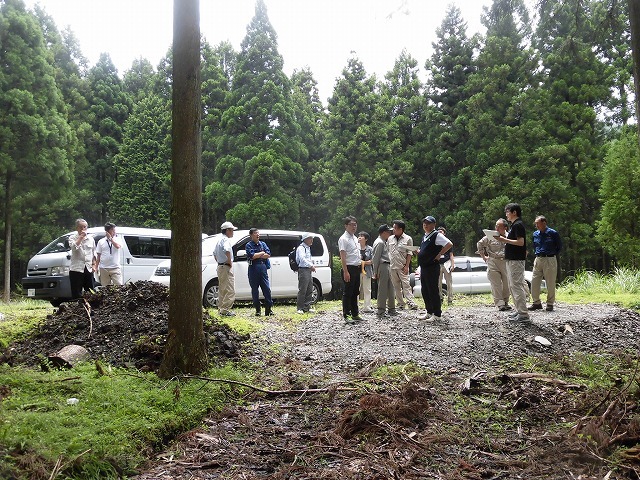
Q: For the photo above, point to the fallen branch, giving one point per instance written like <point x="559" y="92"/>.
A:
<point x="544" y="378"/>
<point x="272" y="392"/>
<point x="87" y="308"/>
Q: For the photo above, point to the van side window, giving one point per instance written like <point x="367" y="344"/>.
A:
<point x="241" y="245"/>
<point x="317" y="250"/>
<point x="149" y="247"/>
<point x="281" y="246"/>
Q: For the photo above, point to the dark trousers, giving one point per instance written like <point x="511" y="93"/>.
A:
<point x="429" y="278"/>
<point x="259" y="278"/>
<point x="80" y="280"/>
<point x="351" y="292"/>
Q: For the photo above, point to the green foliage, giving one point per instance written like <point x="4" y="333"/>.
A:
<point x="116" y="420"/>
<point x="619" y="228"/>
<point x="622" y="286"/>
<point x="141" y="192"/>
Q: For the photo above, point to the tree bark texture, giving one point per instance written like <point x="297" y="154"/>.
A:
<point x="185" y="351"/>
<point x="6" y="294"/>
<point x="634" y="20"/>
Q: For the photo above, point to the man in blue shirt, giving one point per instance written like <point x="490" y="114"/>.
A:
<point x="305" y="269"/>
<point x="546" y="246"/>
<point x="258" y="254"/>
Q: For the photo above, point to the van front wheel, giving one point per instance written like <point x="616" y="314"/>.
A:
<point x="210" y="297"/>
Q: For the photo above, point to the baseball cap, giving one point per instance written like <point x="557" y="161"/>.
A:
<point x="428" y="219"/>
<point x="384" y="228"/>
<point x="226" y="225"/>
<point x="306" y="235"/>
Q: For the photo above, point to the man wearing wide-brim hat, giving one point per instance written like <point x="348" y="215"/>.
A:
<point x="223" y="254"/>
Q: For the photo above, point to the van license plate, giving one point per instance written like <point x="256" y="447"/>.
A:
<point x="31" y="292"/>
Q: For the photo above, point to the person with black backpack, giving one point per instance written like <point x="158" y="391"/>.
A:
<point x="305" y="270"/>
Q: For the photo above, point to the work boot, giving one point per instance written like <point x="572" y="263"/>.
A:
<point x="535" y="306"/>
<point x="268" y="311"/>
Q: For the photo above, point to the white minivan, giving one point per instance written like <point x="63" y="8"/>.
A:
<point x="48" y="270"/>
<point x="283" y="280"/>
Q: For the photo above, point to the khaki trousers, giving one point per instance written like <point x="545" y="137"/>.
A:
<point x="110" y="276"/>
<point x="365" y="290"/>
<point x="402" y="288"/>
<point x="226" y="288"/>
<point x="517" y="285"/>
<point x="448" y="280"/>
<point x="499" y="280"/>
<point x="547" y="268"/>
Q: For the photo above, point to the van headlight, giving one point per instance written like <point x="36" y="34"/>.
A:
<point x="59" y="271"/>
<point x="163" y="272"/>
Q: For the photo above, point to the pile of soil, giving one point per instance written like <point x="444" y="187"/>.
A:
<point x="123" y="326"/>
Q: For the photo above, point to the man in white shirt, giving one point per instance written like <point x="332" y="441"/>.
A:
<point x="83" y="261"/>
<point x="108" y="257"/>
<point x="305" y="270"/>
<point x="350" y="260"/>
<point x="226" y="280"/>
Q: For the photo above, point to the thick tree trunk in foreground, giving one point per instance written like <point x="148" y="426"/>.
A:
<point x="634" y="20"/>
<point x="185" y="351"/>
<point x="6" y="295"/>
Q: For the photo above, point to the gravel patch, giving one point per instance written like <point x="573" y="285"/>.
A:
<point x="466" y="339"/>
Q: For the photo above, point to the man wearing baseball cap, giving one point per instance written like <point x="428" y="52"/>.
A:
<point x="226" y="281"/>
<point x="381" y="267"/>
<point x="434" y="245"/>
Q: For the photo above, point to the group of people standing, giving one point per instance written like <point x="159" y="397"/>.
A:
<point x="506" y="254"/>
<point x="88" y="259"/>
<point x="388" y="261"/>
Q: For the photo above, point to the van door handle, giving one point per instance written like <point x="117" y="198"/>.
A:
<point x="128" y="261"/>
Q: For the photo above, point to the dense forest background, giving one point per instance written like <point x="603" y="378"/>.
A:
<point x="540" y="113"/>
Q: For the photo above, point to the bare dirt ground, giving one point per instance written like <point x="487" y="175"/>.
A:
<point x="467" y="416"/>
<point x="457" y="400"/>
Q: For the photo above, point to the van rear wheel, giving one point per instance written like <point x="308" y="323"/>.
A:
<point x="210" y="297"/>
<point x="316" y="291"/>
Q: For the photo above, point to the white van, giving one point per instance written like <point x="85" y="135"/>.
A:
<point x="48" y="271"/>
<point x="283" y="280"/>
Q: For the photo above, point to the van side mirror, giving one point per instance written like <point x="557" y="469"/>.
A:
<point x="241" y="255"/>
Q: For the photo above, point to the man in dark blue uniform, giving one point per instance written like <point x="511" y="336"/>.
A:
<point x="546" y="246"/>
<point x="258" y="254"/>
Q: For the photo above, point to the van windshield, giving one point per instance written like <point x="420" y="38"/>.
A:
<point x="60" y="244"/>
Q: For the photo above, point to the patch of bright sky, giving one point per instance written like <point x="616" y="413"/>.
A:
<point x="320" y="34"/>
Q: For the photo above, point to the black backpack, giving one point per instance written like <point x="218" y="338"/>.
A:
<point x="292" y="260"/>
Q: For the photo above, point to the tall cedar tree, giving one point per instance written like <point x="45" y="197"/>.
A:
<point x="185" y="351"/>
<point x="110" y="107"/>
<point x="575" y="88"/>
<point x="403" y="102"/>
<point x="355" y="146"/>
<point x="444" y="164"/>
<point x="141" y="191"/>
<point x="35" y="135"/>
<point x="500" y="133"/>
<point x="217" y="72"/>
<point x="620" y="200"/>
<point x="309" y="114"/>
<point x="40" y="222"/>
<point x="260" y="152"/>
